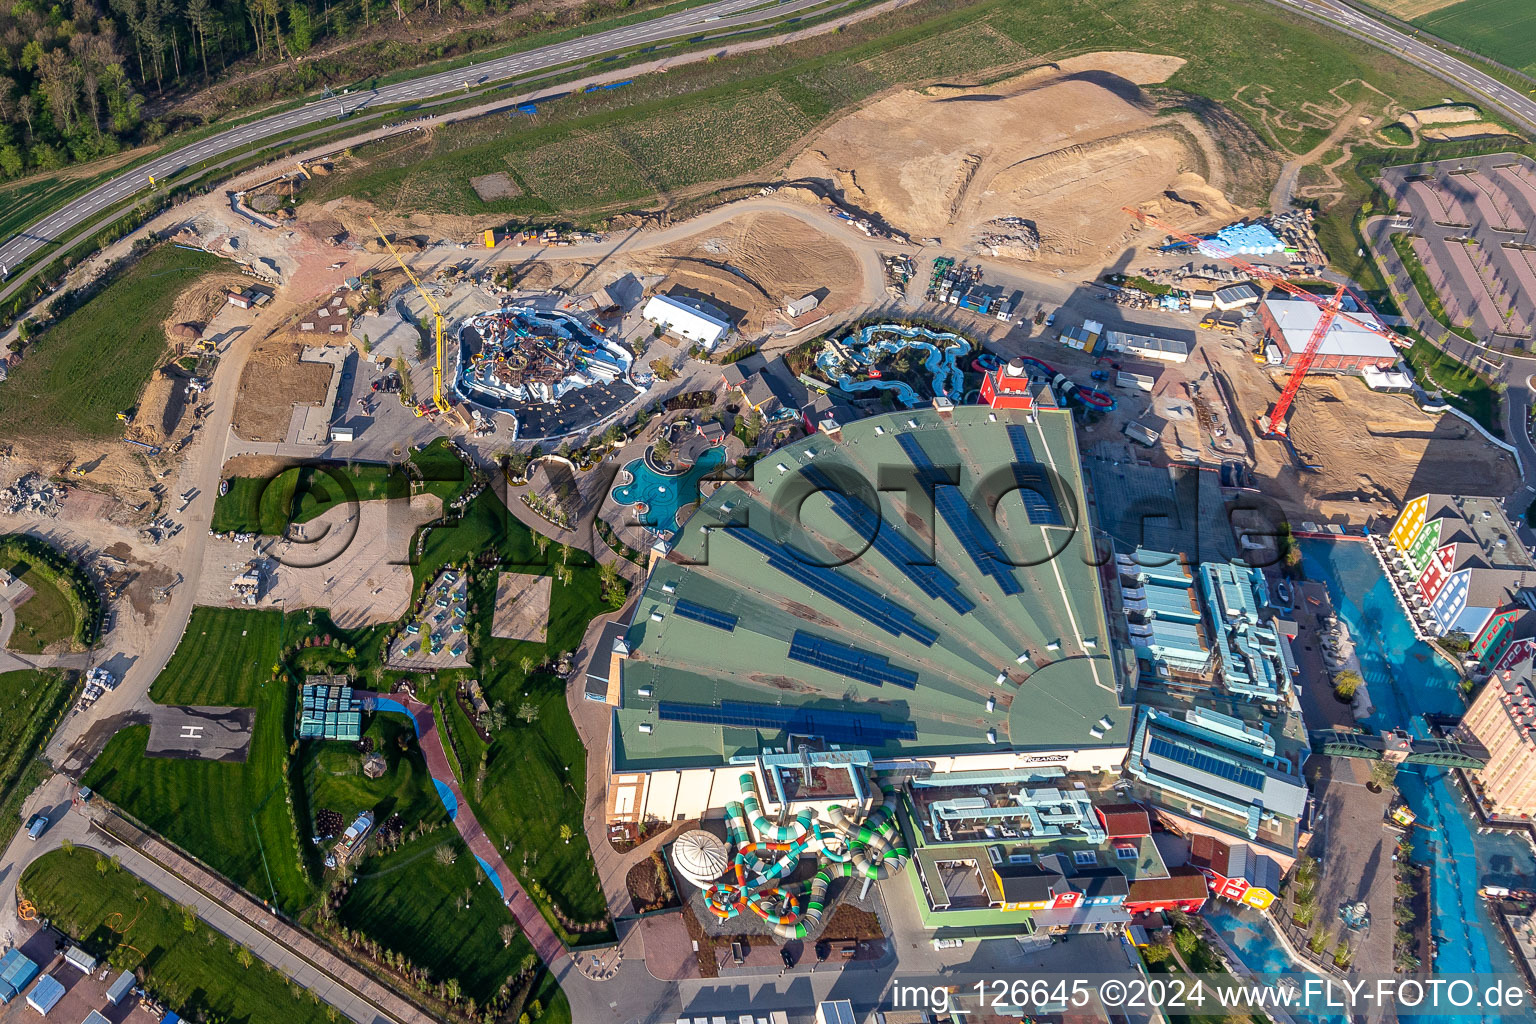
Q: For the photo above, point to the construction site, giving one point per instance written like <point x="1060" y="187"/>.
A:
<point x="517" y="358"/>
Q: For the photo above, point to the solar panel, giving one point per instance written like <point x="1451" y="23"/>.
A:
<point x="844" y="660"/>
<point x="708" y="616"/>
<point x="854" y="727"/>
<point x="1040" y="503"/>
<point x="890" y="543"/>
<point x="855" y="597"/>
<point x="974" y="538"/>
<point x="1201" y="761"/>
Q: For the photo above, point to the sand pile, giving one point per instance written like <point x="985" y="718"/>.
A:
<point x="1063" y="148"/>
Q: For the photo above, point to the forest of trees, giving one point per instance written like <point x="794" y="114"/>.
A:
<point x="86" y="78"/>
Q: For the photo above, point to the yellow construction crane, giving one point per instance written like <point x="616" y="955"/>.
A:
<point x="437" y="312"/>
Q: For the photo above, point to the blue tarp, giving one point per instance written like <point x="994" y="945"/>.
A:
<point x="1249" y="239"/>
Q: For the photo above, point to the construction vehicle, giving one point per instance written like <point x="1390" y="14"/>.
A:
<point x="1273" y="424"/>
<point x="437" y="333"/>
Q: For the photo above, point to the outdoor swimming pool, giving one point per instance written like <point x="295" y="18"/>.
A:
<point x="662" y="495"/>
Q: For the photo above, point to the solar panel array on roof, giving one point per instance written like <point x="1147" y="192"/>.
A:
<point x="833" y="726"/>
<point x="974" y="537"/>
<point x="708" y="616"/>
<point x="1201" y="761"/>
<point x="1035" y="488"/>
<point x="810" y="649"/>
<point x="887" y="540"/>
<point x="855" y="597"/>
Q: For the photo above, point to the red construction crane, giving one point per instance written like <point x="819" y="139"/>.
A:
<point x="1274" y="423"/>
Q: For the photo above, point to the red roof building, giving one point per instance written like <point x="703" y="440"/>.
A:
<point x="1124" y="821"/>
<point x="1184" y="889"/>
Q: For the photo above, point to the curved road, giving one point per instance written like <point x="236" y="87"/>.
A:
<point x="1518" y="105"/>
<point x="713" y="17"/>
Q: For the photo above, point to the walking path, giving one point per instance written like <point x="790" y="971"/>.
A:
<point x="227" y="909"/>
<point x="545" y="942"/>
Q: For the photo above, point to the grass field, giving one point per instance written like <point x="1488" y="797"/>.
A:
<point x="44" y="618"/>
<point x="1504" y="30"/>
<point x="32" y="703"/>
<point x="195" y="972"/>
<point x="1462" y="386"/>
<point x="535" y="772"/>
<point x="334" y="780"/>
<point x="708" y="122"/>
<point x="301" y="493"/>
<point x="94" y="362"/>
<point x="233" y="816"/>
<point x="411" y="903"/>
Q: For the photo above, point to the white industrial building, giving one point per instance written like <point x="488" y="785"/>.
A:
<point x="685" y="321"/>
<point x="1147" y="347"/>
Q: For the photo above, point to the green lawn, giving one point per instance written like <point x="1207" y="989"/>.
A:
<point x="708" y="122"/>
<point x="334" y="780"/>
<point x="32" y="703"/>
<point x="196" y="973"/>
<point x="301" y="493"/>
<point x="94" y="362"/>
<point x="411" y="903"/>
<point x="44" y="618"/>
<point x="536" y="773"/>
<point x="1502" y="29"/>
<point x="1462" y="386"/>
<point x="234" y="816"/>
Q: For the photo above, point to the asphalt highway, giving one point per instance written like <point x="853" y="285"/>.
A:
<point x="1518" y="105"/>
<point x="711" y="18"/>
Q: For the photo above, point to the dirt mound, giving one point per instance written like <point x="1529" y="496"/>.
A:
<point x="1140" y="68"/>
<point x="757" y="261"/>
<point x="160" y="407"/>
<point x="274" y="382"/>
<point x="1376" y="450"/>
<point x="1064" y="148"/>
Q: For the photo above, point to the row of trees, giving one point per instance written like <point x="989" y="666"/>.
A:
<point x="85" y="78"/>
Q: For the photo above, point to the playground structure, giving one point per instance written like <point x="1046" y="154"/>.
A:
<point x="522" y="354"/>
<point x="1068" y="389"/>
<point x="767" y="854"/>
<point x="863" y="350"/>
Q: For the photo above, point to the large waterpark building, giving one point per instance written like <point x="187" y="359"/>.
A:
<point x="1458" y="566"/>
<point x="852" y="607"/>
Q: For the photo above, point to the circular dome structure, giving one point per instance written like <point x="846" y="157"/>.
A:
<point x="699" y="857"/>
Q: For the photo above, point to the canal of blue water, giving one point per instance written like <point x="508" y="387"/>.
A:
<point x="1406" y="680"/>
